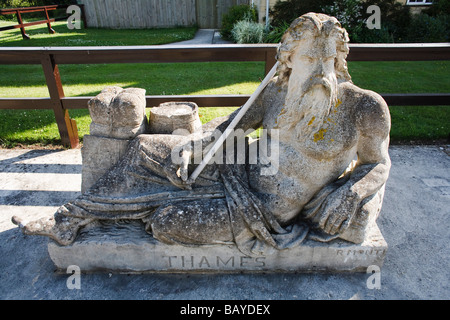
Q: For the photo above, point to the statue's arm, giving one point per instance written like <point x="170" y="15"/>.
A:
<point x="209" y="132"/>
<point x="373" y="165"/>
<point x="252" y="119"/>
<point x="371" y="170"/>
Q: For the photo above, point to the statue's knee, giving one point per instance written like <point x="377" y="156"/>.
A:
<point x="159" y="223"/>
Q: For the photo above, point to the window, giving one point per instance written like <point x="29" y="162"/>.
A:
<point x="419" y="2"/>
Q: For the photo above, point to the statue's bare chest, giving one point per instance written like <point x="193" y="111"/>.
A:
<point x="336" y="134"/>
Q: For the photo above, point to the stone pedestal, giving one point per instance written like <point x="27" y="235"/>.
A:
<point x="126" y="247"/>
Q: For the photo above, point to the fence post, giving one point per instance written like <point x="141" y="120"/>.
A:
<point x="22" y="28"/>
<point x="270" y="60"/>
<point x="83" y="15"/>
<point x="67" y="127"/>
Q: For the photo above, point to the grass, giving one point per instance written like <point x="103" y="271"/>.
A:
<point x="27" y="127"/>
<point x="33" y="126"/>
<point x="90" y="37"/>
<point x="410" y="124"/>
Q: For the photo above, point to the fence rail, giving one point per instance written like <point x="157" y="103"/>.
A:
<point x="49" y="58"/>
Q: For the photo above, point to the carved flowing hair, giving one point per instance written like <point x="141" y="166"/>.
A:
<point x="314" y="23"/>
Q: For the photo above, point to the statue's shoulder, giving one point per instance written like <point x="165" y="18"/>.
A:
<point x="369" y="107"/>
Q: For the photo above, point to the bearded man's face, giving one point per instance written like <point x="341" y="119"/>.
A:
<point x="312" y="86"/>
<point x="312" y="63"/>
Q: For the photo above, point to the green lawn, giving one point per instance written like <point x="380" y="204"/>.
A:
<point x="33" y="126"/>
<point x="90" y="37"/>
<point x="424" y="124"/>
<point x="38" y="126"/>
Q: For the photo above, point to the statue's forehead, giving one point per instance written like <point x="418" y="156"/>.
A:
<point x="318" y="45"/>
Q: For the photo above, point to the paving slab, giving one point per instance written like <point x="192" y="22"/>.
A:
<point x="415" y="222"/>
<point x="203" y="36"/>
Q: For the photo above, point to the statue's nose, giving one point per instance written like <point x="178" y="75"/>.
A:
<point x="319" y="69"/>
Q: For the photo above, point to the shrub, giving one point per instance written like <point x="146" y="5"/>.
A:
<point x="15" y="3"/>
<point x="349" y="14"/>
<point x="353" y="16"/>
<point x="366" y="35"/>
<point x="425" y="28"/>
<point x="288" y="11"/>
<point x="395" y="18"/>
<point x="246" y="31"/>
<point x="439" y="7"/>
<point x="235" y="14"/>
<point x="274" y="34"/>
<point x="32" y="3"/>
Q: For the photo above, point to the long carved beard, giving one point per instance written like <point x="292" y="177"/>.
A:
<point x="307" y="112"/>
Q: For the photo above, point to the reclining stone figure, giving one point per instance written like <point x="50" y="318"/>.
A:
<point x="323" y="123"/>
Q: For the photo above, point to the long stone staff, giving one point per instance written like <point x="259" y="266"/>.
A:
<point x="232" y="125"/>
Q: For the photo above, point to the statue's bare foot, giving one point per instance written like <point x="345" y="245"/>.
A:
<point x="62" y="229"/>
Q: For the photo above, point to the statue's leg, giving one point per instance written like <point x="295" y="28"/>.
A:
<point x="139" y="172"/>
<point x="196" y="222"/>
<point x="142" y="170"/>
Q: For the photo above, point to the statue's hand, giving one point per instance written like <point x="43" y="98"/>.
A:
<point x="176" y="169"/>
<point x="182" y="171"/>
<point x="338" y="211"/>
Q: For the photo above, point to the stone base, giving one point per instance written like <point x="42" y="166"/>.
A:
<point x="126" y="247"/>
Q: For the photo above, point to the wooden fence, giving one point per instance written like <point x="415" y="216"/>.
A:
<point x="140" y="14"/>
<point x="49" y="58"/>
<point x="209" y="12"/>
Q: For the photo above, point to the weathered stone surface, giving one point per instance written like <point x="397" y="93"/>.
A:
<point x="99" y="154"/>
<point x="317" y="123"/>
<point x="170" y="116"/>
<point x="126" y="247"/>
<point x="118" y="113"/>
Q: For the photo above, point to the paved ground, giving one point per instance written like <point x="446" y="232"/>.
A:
<point x="203" y="36"/>
<point x="414" y="220"/>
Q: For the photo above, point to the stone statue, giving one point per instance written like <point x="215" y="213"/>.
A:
<point x="332" y="146"/>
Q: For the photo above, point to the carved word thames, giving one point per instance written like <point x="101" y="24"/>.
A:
<point x="214" y="262"/>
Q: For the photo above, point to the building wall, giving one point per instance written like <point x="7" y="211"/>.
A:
<point x="261" y="4"/>
<point x="415" y="9"/>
